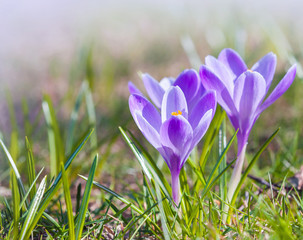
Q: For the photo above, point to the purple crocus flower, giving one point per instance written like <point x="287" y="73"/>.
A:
<point x="176" y="130"/>
<point x="241" y="92"/>
<point x="189" y="82"/>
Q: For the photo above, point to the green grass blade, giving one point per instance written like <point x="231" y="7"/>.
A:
<point x="54" y="136"/>
<point x="71" y="158"/>
<point x="68" y="202"/>
<point x="16" y="202"/>
<point x="55" y="186"/>
<point x="209" y="186"/>
<point x="29" y="190"/>
<point x="251" y="164"/>
<point x="148" y="191"/>
<point x="119" y="197"/>
<point x="1" y="225"/>
<point x="144" y="220"/>
<point x="15" y="169"/>
<point x="131" y="224"/>
<point x="51" y="139"/>
<point x="89" y="66"/>
<point x="26" y="230"/>
<point x="7" y="208"/>
<point x="30" y="168"/>
<point x="85" y="199"/>
<point x="198" y="172"/>
<point x="14" y="146"/>
<point x="163" y="217"/>
<point x="78" y="198"/>
<point x="215" y="168"/>
<point x="137" y="153"/>
<point x="154" y="169"/>
<point x="49" y="236"/>
<point x="91" y="118"/>
<point x="51" y="221"/>
<point x="205" y="191"/>
<point x="26" y="117"/>
<point x="149" y="167"/>
<point x="118" y="213"/>
<point x="74" y="118"/>
<point x="14" y="149"/>
<point x="211" y="135"/>
<point x="8" y="236"/>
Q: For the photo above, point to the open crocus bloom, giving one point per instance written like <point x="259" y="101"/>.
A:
<point x="189" y="82"/>
<point x="241" y="92"/>
<point x="175" y="131"/>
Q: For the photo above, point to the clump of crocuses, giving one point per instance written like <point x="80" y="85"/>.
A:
<point x="189" y="82"/>
<point x="180" y="119"/>
<point x="241" y="93"/>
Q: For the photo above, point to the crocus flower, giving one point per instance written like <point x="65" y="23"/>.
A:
<point x="241" y="92"/>
<point x="189" y="82"/>
<point x="176" y="130"/>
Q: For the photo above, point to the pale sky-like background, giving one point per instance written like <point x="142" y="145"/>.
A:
<point x="34" y="33"/>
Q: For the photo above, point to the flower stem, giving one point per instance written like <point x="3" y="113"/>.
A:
<point x="235" y="179"/>
<point x="222" y="181"/>
<point x="236" y="175"/>
<point x="175" y="185"/>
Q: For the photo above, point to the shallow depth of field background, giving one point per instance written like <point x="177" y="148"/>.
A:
<point x="49" y="48"/>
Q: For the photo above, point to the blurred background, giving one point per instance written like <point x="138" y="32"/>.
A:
<point x="50" y="47"/>
<point x="41" y="42"/>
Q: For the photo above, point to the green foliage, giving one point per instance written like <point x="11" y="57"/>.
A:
<point x="68" y="202"/>
<point x="84" y="204"/>
<point x="30" y="168"/>
<point x="16" y="202"/>
<point x="54" y="136"/>
<point x="32" y="211"/>
<point x="35" y="209"/>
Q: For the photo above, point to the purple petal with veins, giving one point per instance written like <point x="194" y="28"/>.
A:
<point x="153" y="88"/>
<point x="173" y="102"/>
<point x="266" y="66"/>
<point x="233" y="61"/>
<point x="281" y="88"/>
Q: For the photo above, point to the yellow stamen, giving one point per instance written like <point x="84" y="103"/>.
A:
<point x="176" y="113"/>
<point x="250" y="70"/>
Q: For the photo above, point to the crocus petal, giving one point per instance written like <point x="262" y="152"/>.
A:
<point x="148" y="131"/>
<point x="234" y="119"/>
<point x="221" y="71"/>
<point x="242" y="141"/>
<point x="201" y="116"/>
<point x="249" y="92"/>
<point x="266" y="66"/>
<point x="233" y="61"/>
<point x="283" y="85"/>
<point x="207" y="102"/>
<point x="166" y="83"/>
<point x="190" y="83"/>
<point x="211" y="81"/>
<point x="176" y="136"/>
<point x="153" y="88"/>
<point x="173" y="102"/>
<point x="133" y="89"/>
<point x="202" y="127"/>
<point x="139" y="104"/>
